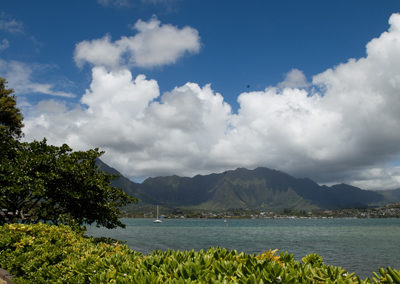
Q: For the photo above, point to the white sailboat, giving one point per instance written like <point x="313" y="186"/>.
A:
<point x="157" y="220"/>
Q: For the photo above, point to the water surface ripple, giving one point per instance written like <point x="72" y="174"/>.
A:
<point x="358" y="245"/>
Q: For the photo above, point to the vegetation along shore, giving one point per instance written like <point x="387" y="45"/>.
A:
<point x="43" y="253"/>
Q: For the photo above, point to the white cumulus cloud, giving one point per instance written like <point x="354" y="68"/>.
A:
<point x="119" y="114"/>
<point x="154" y="44"/>
<point x="343" y="126"/>
<point x="295" y="78"/>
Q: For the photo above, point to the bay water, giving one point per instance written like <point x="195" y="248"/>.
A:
<point x="357" y="245"/>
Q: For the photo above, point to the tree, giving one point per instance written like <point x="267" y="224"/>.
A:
<point x="41" y="182"/>
<point x="10" y="115"/>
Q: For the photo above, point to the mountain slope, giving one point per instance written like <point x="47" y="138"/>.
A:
<point x="391" y="196"/>
<point x="261" y="188"/>
<point x="122" y="182"/>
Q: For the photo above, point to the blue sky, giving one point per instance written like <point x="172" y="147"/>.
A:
<point x="242" y="43"/>
<point x="293" y="84"/>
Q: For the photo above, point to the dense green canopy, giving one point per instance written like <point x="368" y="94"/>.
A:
<point x="10" y="115"/>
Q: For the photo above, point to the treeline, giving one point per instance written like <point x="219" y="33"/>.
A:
<point x="387" y="211"/>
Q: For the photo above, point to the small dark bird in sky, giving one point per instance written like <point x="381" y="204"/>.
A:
<point x="248" y="86"/>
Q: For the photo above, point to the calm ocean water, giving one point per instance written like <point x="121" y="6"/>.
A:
<point x="358" y="245"/>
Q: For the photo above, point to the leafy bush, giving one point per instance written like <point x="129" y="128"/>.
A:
<point x="44" y="253"/>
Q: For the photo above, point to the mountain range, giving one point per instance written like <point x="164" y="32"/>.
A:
<point x="258" y="189"/>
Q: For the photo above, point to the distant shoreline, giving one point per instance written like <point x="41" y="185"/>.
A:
<point x="387" y="211"/>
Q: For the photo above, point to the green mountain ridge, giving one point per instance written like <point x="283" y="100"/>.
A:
<point x="258" y="189"/>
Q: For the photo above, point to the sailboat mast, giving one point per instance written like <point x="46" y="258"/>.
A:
<point x="157" y="220"/>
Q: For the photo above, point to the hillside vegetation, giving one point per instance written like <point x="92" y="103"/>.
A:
<point x="259" y="189"/>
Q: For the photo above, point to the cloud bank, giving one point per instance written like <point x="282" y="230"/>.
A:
<point x="343" y="126"/>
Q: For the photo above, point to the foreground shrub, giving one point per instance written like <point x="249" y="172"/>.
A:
<point x="43" y="253"/>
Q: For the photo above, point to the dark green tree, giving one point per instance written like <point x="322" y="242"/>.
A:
<point x="41" y="182"/>
<point x="10" y="115"/>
